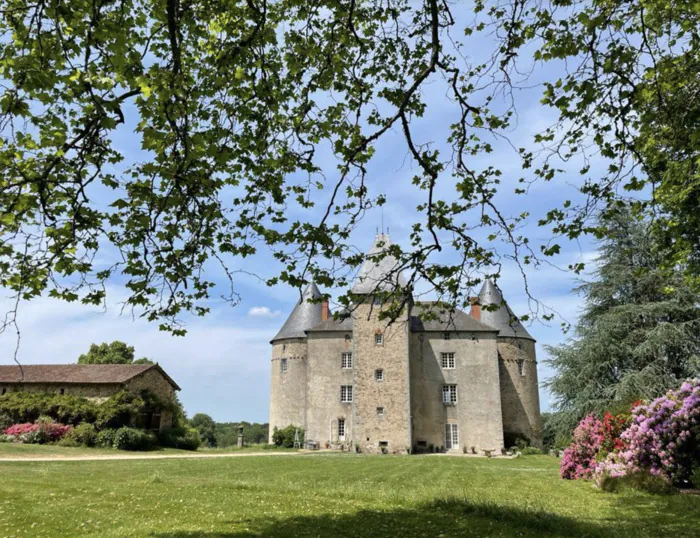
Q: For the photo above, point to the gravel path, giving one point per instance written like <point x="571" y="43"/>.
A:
<point x="109" y="457"/>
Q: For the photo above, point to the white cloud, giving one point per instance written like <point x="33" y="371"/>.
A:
<point x="263" y="312"/>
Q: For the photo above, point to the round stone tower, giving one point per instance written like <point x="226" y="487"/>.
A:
<point x="517" y="368"/>
<point x="288" y="382"/>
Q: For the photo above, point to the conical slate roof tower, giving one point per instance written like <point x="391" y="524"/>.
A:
<point x="502" y="318"/>
<point x="304" y="316"/>
<point x="378" y="273"/>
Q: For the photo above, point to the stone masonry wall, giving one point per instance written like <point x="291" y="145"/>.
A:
<point x="97" y="393"/>
<point x="153" y="381"/>
<point x="519" y="393"/>
<point x="477" y="412"/>
<point x="288" y="389"/>
<point x="393" y="393"/>
<point x="325" y="377"/>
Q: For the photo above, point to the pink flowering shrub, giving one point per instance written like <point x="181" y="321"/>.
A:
<point x="37" y="433"/>
<point x="663" y="439"/>
<point x="579" y="460"/>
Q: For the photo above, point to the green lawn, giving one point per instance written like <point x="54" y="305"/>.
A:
<point x="326" y="496"/>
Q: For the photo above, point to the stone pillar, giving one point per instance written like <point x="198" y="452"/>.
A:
<point x="240" y="436"/>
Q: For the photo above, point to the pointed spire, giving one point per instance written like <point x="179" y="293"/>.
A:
<point x="503" y="317"/>
<point x="304" y="316"/>
<point x="376" y="273"/>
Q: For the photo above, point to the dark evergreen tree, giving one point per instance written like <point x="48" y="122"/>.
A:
<point x="639" y="332"/>
<point x="116" y="352"/>
<point x="206" y="427"/>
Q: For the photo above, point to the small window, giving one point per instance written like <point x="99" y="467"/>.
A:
<point x="448" y="360"/>
<point x="4" y="391"/>
<point x="379" y="375"/>
<point x="446" y="336"/>
<point x="346" y="360"/>
<point x="449" y="394"/>
<point x="377" y="301"/>
<point x="378" y="339"/>
<point x="521" y="367"/>
<point x="348" y="337"/>
<point x="380" y="411"/>
<point x="341" y="429"/>
<point x="283" y="365"/>
<point x="62" y="391"/>
<point x="346" y="393"/>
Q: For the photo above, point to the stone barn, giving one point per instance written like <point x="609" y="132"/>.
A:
<point x="96" y="382"/>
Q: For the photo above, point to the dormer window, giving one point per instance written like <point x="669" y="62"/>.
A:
<point x="446" y="336"/>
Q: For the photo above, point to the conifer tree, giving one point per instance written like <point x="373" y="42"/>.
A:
<point x="639" y="332"/>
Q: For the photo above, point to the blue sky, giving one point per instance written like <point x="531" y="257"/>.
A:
<point x="223" y="362"/>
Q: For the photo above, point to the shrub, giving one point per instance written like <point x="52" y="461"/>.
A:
<point x="640" y="480"/>
<point x="5" y="420"/>
<point x="27" y="407"/>
<point x="5" y="438"/>
<point x="105" y="438"/>
<point x="285" y="436"/>
<point x="126" y="438"/>
<point x="183" y="438"/>
<point x="39" y="433"/>
<point x="83" y="434"/>
<point x="663" y="439"/>
<point x="579" y="460"/>
<point x="530" y="451"/>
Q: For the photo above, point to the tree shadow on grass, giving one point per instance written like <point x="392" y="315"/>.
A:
<point x="451" y="517"/>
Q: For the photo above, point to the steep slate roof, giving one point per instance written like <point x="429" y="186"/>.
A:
<point x="503" y="318"/>
<point x="84" y="374"/>
<point x="447" y="321"/>
<point x="304" y="316"/>
<point x="376" y="274"/>
<point x="332" y="324"/>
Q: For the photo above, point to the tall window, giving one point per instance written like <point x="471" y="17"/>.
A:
<point x="341" y="429"/>
<point x="346" y="393"/>
<point x="283" y="365"/>
<point x="379" y="375"/>
<point x="449" y="394"/>
<point x="451" y="436"/>
<point x="346" y="360"/>
<point x="378" y="339"/>
<point x="446" y="336"/>
<point x="521" y="367"/>
<point x="448" y="360"/>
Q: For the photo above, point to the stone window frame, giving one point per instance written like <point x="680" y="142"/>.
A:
<point x="346" y="360"/>
<point x="521" y="367"/>
<point x="449" y="394"/>
<point x="346" y="395"/>
<point x="378" y="338"/>
<point x="284" y="365"/>
<point x="448" y="360"/>
<point x="380" y="411"/>
<point x="379" y="374"/>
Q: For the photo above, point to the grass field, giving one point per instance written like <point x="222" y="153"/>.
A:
<point x="326" y="496"/>
<point x="18" y="450"/>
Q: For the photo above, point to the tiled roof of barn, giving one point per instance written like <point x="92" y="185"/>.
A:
<point x="85" y="374"/>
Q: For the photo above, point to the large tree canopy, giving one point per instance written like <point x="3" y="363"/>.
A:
<point x="116" y="352"/>
<point x="638" y="335"/>
<point x="237" y="105"/>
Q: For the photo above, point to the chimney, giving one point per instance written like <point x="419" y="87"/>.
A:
<point x="325" y="311"/>
<point x="475" y="311"/>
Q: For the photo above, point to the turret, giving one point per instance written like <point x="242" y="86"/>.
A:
<point x="289" y="362"/>
<point x="520" y="402"/>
